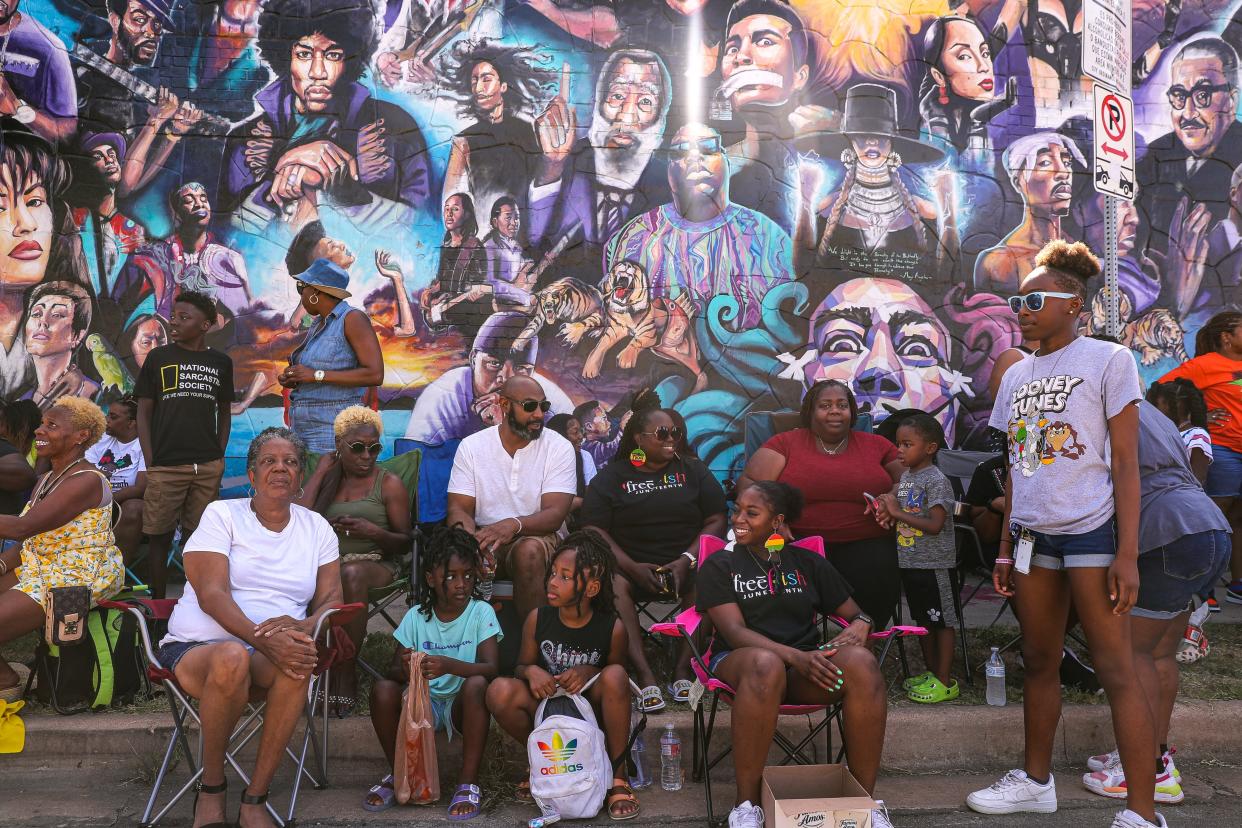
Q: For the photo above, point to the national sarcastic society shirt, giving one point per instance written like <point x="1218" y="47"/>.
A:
<point x="189" y="389"/>
<point x="1055" y="410"/>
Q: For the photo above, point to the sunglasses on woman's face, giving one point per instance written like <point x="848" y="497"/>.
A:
<point x="664" y="433"/>
<point x="529" y="406"/>
<point x="299" y="285"/>
<point x="360" y="447"/>
<point x="1034" y="301"/>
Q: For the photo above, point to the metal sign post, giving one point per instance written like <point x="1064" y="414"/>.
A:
<point x="1111" y="291"/>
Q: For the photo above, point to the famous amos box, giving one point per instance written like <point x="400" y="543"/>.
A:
<point x="814" y="796"/>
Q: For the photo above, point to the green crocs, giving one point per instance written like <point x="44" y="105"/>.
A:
<point x="914" y="681"/>
<point x="933" y="691"/>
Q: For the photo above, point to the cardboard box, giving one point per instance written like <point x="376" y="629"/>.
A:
<point x="814" y="796"/>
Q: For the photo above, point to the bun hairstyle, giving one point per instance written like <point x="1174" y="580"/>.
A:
<point x="1072" y="265"/>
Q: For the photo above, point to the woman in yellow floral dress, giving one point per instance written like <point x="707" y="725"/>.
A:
<point x="65" y="530"/>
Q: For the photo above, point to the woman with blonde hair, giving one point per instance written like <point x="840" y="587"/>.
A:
<point x="369" y="509"/>
<point x="65" y="530"/>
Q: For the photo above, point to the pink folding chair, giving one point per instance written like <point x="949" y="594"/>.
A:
<point x="690" y="622"/>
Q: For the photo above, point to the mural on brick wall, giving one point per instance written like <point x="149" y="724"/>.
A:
<point x="723" y="202"/>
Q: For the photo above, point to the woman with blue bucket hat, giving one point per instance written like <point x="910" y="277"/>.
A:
<point x="340" y="357"/>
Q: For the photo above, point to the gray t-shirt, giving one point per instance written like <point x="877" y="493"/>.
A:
<point x="1055" y="410"/>
<point x="917" y="492"/>
<point x="1172" y="503"/>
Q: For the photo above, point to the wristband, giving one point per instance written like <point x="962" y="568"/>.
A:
<point x="519" y="523"/>
<point x="694" y="561"/>
<point x="4" y="569"/>
<point x="1008" y="561"/>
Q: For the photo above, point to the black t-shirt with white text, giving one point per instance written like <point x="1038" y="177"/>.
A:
<point x="189" y="388"/>
<point x="778" y="600"/>
<point x="562" y="647"/>
<point x="653" y="516"/>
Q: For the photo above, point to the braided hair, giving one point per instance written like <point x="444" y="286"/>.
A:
<point x="1207" y="340"/>
<point x="593" y="558"/>
<point x="447" y="542"/>
<point x="1183" y="398"/>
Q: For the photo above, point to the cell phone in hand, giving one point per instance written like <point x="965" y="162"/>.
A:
<point x="667" y="586"/>
<point x="871" y="499"/>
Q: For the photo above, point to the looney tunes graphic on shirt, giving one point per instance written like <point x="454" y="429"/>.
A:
<point x="1035" y="438"/>
<point x="911" y="500"/>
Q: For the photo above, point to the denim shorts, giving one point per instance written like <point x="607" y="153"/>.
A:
<point x="442" y="711"/>
<point x="1224" y="477"/>
<point x="1171" y="575"/>
<point x="714" y="659"/>
<point x="170" y="654"/>
<point x="1097" y="547"/>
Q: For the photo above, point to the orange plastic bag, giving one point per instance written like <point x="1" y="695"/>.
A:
<point x="417" y="771"/>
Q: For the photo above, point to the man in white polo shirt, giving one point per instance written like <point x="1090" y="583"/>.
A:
<point x="511" y="487"/>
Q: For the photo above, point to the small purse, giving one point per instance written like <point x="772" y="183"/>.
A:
<point x="65" y="622"/>
<point x="66" y="607"/>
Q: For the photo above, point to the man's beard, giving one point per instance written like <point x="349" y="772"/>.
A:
<point x="623" y="167"/>
<point x="526" y="433"/>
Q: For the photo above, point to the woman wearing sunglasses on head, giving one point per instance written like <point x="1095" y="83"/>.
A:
<point x="651" y="503"/>
<point x="370" y="510"/>
<point x="340" y="357"/>
<point x="1072" y="502"/>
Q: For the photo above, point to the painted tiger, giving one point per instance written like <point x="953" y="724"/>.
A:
<point x="569" y="301"/>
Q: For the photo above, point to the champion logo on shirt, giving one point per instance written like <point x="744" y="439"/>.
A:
<point x="430" y="646"/>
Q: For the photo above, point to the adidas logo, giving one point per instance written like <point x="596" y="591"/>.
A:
<point x="558" y="754"/>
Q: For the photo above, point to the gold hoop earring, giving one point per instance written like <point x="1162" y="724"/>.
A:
<point x="314" y="298"/>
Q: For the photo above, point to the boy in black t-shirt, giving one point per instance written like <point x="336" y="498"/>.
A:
<point x="184" y="391"/>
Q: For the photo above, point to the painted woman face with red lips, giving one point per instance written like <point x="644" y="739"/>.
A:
<point x="26" y="224"/>
<point x="966" y="62"/>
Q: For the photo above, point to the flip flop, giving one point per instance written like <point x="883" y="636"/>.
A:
<point x="466" y="793"/>
<point x="386" y="791"/>
<point x="680" y="691"/>
<point x="914" y="681"/>
<point x="650" y="699"/>
<point x="933" y="692"/>
<point x="621" y="792"/>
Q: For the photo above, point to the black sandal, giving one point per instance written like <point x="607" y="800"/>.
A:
<point x="248" y="799"/>
<point x="211" y="789"/>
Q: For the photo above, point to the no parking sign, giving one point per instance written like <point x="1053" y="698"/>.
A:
<point x="1113" y="164"/>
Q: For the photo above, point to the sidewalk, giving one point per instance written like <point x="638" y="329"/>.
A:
<point x="96" y="770"/>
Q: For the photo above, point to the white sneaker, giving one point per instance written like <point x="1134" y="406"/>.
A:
<point x="1129" y="819"/>
<point x="879" y="816"/>
<point x="1014" y="793"/>
<point x="746" y="816"/>
<point x="1169" y="766"/>
<point x="1104" y="761"/>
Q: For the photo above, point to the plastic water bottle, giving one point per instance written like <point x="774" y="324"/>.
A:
<point x="670" y="759"/>
<point x="996" y="679"/>
<point x="638" y="755"/>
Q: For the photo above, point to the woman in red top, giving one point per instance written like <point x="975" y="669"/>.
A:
<point x="834" y="466"/>
<point x="1216" y="370"/>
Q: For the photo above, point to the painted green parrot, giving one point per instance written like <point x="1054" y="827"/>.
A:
<point x="112" y="373"/>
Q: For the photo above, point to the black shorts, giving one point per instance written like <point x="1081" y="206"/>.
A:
<point x="930" y="596"/>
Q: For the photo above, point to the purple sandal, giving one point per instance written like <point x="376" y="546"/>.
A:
<point x="468" y="794"/>
<point x="385" y="792"/>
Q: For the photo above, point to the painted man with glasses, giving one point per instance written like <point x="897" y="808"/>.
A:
<point x="1194" y="163"/>
<point x="511" y="487"/>
<point x="465" y="399"/>
<point x="702" y="244"/>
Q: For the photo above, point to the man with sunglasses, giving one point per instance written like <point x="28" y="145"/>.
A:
<point x="512" y="487"/>
<point x="1193" y="164"/>
<point x="702" y="244"/>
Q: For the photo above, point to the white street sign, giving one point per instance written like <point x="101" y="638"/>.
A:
<point x="1113" y="164"/>
<point x="1106" y="42"/>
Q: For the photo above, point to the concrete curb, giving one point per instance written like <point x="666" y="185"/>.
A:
<point x="918" y="739"/>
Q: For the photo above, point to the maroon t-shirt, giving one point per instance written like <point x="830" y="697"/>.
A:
<point x="833" y="484"/>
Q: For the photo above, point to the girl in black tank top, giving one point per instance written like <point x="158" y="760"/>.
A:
<point x="576" y="639"/>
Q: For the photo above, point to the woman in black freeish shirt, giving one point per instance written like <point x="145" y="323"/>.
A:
<point x="762" y="604"/>
<point x="651" y="509"/>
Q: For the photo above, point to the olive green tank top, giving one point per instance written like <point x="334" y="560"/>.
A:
<point x="369" y="508"/>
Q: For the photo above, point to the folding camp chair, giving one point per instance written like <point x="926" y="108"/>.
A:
<point x="184" y="709"/>
<point x="686" y="626"/>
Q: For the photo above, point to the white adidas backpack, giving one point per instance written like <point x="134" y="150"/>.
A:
<point x="569" y="768"/>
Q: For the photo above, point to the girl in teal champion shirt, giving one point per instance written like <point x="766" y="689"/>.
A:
<point x="460" y="635"/>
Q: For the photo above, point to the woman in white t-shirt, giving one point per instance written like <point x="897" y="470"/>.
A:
<point x="259" y="572"/>
<point x="1072" y="502"/>
<point x="118" y="456"/>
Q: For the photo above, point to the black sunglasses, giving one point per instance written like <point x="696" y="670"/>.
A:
<point x="359" y="447"/>
<point x="529" y="406"/>
<point x="299" y="285"/>
<point x="663" y="433"/>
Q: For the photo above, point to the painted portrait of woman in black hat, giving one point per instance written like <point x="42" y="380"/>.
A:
<point x="874" y="224"/>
